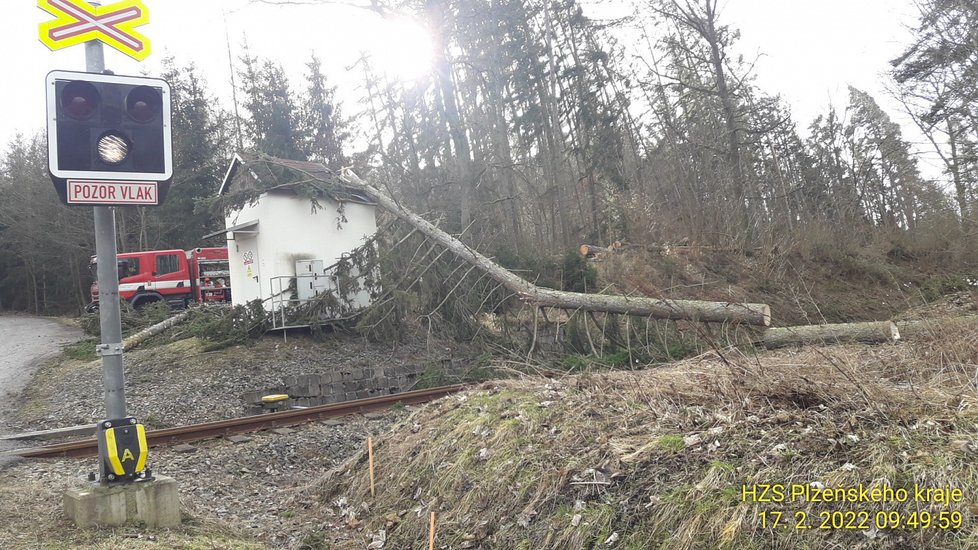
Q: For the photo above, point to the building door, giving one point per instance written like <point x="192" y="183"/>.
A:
<point x="248" y="288"/>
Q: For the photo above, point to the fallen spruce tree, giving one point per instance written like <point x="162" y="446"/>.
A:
<point x="136" y="339"/>
<point x="693" y="310"/>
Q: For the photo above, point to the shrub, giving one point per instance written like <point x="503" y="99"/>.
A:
<point x="577" y="274"/>
<point x="947" y="284"/>
<point x="223" y="327"/>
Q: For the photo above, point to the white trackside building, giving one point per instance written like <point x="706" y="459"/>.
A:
<point x="291" y="229"/>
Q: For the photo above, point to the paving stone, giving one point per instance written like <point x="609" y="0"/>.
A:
<point x="239" y="439"/>
<point x="283" y="431"/>
<point x="184" y="448"/>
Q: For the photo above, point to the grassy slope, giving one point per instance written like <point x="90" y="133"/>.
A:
<point x="656" y="459"/>
<point x="830" y="286"/>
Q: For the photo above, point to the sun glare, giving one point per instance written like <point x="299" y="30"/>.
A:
<point x="401" y="48"/>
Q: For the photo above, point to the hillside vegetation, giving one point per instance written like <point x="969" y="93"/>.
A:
<point x="658" y="458"/>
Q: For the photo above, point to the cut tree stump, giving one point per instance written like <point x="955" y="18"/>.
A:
<point x="872" y="333"/>
<point x="591" y="251"/>
<point x="693" y="310"/>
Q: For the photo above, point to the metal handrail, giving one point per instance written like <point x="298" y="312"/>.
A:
<point x="279" y="303"/>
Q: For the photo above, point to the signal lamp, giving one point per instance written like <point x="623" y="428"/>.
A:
<point x="112" y="148"/>
<point x="79" y="99"/>
<point x="143" y="103"/>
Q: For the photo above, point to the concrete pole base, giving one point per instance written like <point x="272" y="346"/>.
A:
<point x="153" y="503"/>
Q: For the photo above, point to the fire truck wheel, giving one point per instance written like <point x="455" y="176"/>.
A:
<point x="139" y="302"/>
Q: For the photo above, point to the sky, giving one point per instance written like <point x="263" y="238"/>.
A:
<point x="808" y="51"/>
<point x="812" y="50"/>
<point x="200" y="31"/>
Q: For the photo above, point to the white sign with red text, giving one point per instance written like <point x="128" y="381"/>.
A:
<point x="112" y="192"/>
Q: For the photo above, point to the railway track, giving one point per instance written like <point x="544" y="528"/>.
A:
<point x="220" y="428"/>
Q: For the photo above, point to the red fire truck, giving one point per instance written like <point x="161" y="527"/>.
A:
<point x="178" y="277"/>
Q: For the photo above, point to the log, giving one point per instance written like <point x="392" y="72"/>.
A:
<point x="871" y="333"/>
<point x="935" y="327"/>
<point x="592" y="250"/>
<point x="141" y="336"/>
<point x="694" y="310"/>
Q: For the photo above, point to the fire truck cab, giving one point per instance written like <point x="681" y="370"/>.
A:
<point x="178" y="277"/>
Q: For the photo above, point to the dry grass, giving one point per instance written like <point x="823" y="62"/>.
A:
<point x="657" y="459"/>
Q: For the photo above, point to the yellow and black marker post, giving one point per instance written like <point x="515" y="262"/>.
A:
<point x="122" y="446"/>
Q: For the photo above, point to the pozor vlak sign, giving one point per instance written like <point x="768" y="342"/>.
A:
<point x="109" y="138"/>
<point x="142" y="193"/>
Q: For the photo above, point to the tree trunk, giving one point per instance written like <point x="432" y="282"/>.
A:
<point x="446" y="86"/>
<point x="593" y="250"/>
<point x="730" y="121"/>
<point x="141" y="336"/>
<point x="935" y="327"/>
<point x="753" y="314"/>
<point x="960" y="187"/>
<point x="872" y="332"/>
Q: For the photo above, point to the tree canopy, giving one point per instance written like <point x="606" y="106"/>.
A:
<point x="537" y="130"/>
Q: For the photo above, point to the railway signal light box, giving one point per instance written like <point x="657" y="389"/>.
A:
<point x="109" y="138"/>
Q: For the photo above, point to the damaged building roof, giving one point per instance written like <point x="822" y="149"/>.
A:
<point x="272" y="174"/>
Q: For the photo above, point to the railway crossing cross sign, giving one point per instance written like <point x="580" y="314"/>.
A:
<point x="78" y="22"/>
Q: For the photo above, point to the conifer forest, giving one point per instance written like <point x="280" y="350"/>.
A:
<point x="539" y="129"/>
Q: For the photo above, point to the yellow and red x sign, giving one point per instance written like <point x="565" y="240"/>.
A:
<point x="78" y="21"/>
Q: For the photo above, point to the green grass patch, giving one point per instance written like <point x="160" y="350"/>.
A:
<point x="671" y="443"/>
<point x="82" y="351"/>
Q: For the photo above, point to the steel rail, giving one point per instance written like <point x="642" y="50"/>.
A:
<point x="220" y="428"/>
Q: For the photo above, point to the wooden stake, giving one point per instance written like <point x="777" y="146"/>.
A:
<point x="431" y="533"/>
<point x="370" y="455"/>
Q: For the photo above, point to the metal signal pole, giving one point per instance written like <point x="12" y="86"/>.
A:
<point x="110" y="314"/>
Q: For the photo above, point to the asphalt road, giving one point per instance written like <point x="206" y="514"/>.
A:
<point x="25" y="342"/>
